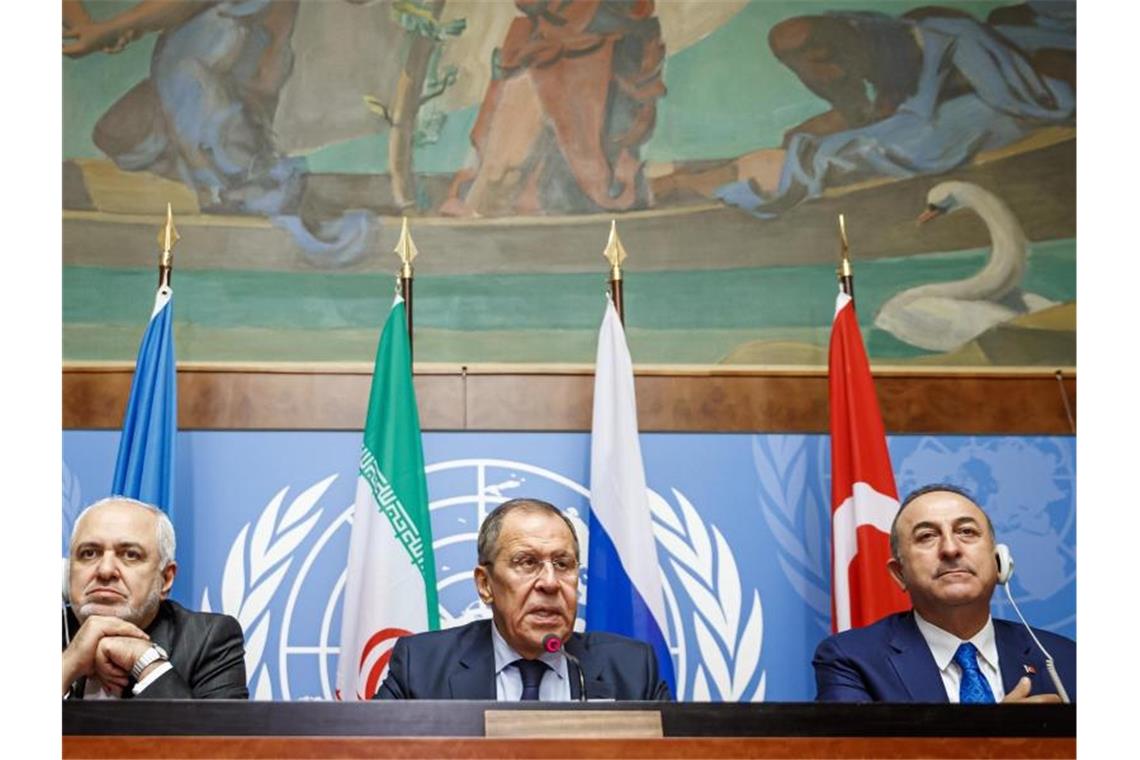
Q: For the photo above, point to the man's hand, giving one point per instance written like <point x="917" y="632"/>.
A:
<point x="80" y="656"/>
<point x="1020" y="694"/>
<point x="114" y="658"/>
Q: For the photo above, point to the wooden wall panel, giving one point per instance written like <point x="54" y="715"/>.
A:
<point x="560" y="398"/>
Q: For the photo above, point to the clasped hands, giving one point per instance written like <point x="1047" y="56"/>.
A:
<point x="104" y="648"/>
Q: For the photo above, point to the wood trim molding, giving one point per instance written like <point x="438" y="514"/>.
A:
<point x="471" y="747"/>
<point x="526" y="397"/>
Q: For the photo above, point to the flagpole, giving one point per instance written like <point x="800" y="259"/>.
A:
<point x="406" y="250"/>
<point x="167" y="237"/>
<point x="145" y="462"/>
<point x="844" y="272"/>
<point x="615" y="254"/>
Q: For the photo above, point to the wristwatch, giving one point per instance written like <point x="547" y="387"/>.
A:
<point x="153" y="653"/>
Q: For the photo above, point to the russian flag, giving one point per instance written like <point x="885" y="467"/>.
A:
<point x="624" y="580"/>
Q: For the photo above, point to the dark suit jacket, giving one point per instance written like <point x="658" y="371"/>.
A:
<point x="890" y="661"/>
<point x="207" y="655"/>
<point x="459" y="663"/>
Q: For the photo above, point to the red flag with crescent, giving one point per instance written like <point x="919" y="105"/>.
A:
<point x="864" y="498"/>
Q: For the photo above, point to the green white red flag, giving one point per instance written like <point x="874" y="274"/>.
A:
<point x="390" y="586"/>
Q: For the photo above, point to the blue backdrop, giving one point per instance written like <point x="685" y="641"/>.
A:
<point x="741" y="523"/>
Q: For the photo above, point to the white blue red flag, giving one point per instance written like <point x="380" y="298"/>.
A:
<point x="624" y="580"/>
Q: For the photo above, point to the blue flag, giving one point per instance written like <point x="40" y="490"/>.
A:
<point x="144" y="468"/>
<point x="623" y="589"/>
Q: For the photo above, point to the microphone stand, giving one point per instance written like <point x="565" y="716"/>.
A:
<point x="552" y="644"/>
<point x="581" y="676"/>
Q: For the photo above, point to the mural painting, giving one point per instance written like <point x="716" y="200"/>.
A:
<point x="724" y="138"/>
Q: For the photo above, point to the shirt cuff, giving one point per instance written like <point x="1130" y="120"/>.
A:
<point x="154" y="676"/>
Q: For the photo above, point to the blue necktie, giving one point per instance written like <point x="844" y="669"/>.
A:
<point x="532" y="672"/>
<point x="974" y="689"/>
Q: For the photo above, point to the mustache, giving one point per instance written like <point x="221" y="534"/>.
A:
<point x="957" y="567"/>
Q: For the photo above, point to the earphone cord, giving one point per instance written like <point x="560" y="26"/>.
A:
<point x="1056" y="679"/>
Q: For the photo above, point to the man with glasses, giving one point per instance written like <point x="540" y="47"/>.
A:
<point x="527" y="573"/>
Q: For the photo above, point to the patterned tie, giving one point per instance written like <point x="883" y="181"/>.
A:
<point x="532" y="672"/>
<point x="974" y="689"/>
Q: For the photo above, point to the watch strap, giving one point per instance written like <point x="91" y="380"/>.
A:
<point x="153" y="654"/>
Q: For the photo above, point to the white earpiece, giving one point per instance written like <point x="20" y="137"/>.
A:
<point x="1004" y="563"/>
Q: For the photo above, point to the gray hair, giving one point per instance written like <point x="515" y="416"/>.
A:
<point x="488" y="541"/>
<point x="934" y="488"/>
<point x="164" y="529"/>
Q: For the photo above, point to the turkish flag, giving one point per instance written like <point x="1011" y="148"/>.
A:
<point x="863" y="494"/>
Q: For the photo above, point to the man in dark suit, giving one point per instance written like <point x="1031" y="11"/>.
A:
<point x="124" y="638"/>
<point x="947" y="648"/>
<point x="528" y="575"/>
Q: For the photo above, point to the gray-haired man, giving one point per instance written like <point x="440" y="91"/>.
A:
<point x="124" y="638"/>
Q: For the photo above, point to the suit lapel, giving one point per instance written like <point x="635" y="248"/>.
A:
<point x="161" y="629"/>
<point x="593" y="671"/>
<point x="1014" y="652"/>
<point x="473" y="676"/>
<point x="913" y="663"/>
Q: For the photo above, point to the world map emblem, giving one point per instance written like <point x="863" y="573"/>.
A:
<point x="716" y="637"/>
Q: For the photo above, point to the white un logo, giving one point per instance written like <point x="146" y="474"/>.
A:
<point x="463" y="492"/>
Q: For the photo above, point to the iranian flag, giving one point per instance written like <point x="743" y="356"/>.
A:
<point x="390" y="579"/>
<point x="863" y="494"/>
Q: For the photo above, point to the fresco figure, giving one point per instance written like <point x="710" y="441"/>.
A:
<point x="943" y="87"/>
<point x="204" y="116"/>
<point x="942" y="316"/>
<point x="573" y="96"/>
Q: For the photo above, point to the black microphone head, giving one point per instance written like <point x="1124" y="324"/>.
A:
<point x="551" y="643"/>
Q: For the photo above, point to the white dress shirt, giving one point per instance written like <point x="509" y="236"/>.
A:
<point x="94" y="688"/>
<point x="944" y="644"/>
<point x="555" y="686"/>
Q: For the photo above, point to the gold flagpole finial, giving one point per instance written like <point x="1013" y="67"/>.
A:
<point x="406" y="250"/>
<point x="167" y="238"/>
<point x="844" y="260"/>
<point x="615" y="252"/>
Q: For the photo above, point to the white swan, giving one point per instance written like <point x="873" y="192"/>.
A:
<point x="942" y="316"/>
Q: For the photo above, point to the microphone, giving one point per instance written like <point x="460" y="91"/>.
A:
<point x="551" y="643"/>
<point x="1005" y="572"/>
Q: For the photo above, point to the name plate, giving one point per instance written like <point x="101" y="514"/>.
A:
<point x="589" y="724"/>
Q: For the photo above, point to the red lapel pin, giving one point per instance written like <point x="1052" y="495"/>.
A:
<point x="1030" y="670"/>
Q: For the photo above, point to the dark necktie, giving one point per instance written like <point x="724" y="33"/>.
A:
<point x="974" y="689"/>
<point x="532" y="672"/>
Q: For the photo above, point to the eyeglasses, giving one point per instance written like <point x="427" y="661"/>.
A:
<point x="528" y="566"/>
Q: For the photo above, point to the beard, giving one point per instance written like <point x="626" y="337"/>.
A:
<point x="136" y="614"/>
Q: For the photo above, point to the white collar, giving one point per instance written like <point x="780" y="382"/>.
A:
<point x="944" y="644"/>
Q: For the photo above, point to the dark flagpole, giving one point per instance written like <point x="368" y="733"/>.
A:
<point x="167" y="237"/>
<point x="406" y="250"/>
<point x="844" y="272"/>
<point x="615" y="254"/>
